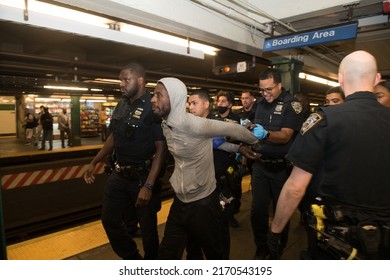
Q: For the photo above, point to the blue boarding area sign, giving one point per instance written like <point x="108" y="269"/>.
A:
<point x="312" y="37"/>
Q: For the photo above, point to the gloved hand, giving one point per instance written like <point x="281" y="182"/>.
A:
<point x="259" y="132"/>
<point x="218" y="141"/>
<point x="274" y="245"/>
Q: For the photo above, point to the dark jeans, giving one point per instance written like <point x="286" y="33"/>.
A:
<point x="200" y="221"/>
<point x="120" y="196"/>
<point x="47" y="135"/>
<point x="266" y="187"/>
<point x="62" y="135"/>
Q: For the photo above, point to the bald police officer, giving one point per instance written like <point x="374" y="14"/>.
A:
<point x="348" y="146"/>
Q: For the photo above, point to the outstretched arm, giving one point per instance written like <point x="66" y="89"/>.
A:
<point x="107" y="149"/>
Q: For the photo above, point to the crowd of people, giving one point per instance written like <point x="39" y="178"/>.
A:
<point x="39" y="127"/>
<point x="315" y="160"/>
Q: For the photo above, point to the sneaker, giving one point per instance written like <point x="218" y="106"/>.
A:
<point x="50" y="149"/>
<point x="27" y="143"/>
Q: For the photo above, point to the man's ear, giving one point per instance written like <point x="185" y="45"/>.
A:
<point x="141" y="81"/>
<point x="378" y="78"/>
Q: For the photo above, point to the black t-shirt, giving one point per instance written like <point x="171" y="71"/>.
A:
<point x="223" y="159"/>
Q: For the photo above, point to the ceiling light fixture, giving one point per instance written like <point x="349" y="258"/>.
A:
<point x="319" y="80"/>
<point x="66" y="88"/>
<point x="58" y="18"/>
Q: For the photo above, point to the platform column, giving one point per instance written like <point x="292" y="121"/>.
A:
<point x="289" y="70"/>
<point x="75" y="120"/>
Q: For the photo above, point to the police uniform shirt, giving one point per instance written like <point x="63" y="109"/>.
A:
<point x="135" y="129"/>
<point x="347" y="146"/>
<point x="223" y="159"/>
<point x="283" y="112"/>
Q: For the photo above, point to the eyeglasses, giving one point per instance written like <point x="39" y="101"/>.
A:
<point x="268" y="89"/>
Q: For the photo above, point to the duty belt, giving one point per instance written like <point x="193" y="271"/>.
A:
<point x="272" y="161"/>
<point x="130" y="170"/>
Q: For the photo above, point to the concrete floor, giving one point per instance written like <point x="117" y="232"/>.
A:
<point x="242" y="244"/>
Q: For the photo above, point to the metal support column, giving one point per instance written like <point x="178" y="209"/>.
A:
<point x="289" y="70"/>
<point x="75" y="120"/>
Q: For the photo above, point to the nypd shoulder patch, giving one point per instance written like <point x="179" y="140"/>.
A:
<point x="297" y="106"/>
<point x="311" y="121"/>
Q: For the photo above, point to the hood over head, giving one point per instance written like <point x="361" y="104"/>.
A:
<point x="177" y="92"/>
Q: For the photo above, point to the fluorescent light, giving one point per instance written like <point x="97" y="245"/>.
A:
<point x="61" y="12"/>
<point x="314" y="104"/>
<point x="55" y="99"/>
<point x="151" y="84"/>
<point x="105" y="81"/>
<point x="93" y="100"/>
<point x="147" y="33"/>
<point x="58" y="18"/>
<point x="318" y="79"/>
<point x="96" y="89"/>
<point x="65" y="88"/>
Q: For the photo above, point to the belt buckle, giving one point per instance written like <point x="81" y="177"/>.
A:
<point x="118" y="168"/>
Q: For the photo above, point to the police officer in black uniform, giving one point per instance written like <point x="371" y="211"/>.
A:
<point x="139" y="151"/>
<point x="277" y="121"/>
<point x="347" y="146"/>
<point x="226" y="166"/>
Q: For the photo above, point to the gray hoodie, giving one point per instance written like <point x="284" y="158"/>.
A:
<point x="189" y="141"/>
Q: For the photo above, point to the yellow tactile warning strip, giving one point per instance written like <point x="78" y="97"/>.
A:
<point x="70" y="242"/>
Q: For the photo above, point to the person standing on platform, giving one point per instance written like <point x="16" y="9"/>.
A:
<point x="64" y="127"/>
<point x="279" y="115"/>
<point x="227" y="169"/>
<point x="199" y="105"/>
<point x="47" y="126"/>
<point x="103" y="125"/>
<point x="355" y="185"/>
<point x="28" y="126"/>
<point x="39" y="125"/>
<point x="196" y="210"/>
<point x="382" y="92"/>
<point x="248" y="109"/>
<point x="139" y="148"/>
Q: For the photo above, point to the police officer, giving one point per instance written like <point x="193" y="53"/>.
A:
<point x="277" y="121"/>
<point x="226" y="166"/>
<point x="139" y="151"/>
<point x="348" y="146"/>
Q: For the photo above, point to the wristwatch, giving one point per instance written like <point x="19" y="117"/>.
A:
<point x="148" y="186"/>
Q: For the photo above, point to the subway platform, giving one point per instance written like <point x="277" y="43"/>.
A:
<point x="89" y="241"/>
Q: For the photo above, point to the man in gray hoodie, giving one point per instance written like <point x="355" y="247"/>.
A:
<point x="195" y="212"/>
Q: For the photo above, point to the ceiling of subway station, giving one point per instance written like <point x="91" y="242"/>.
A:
<point x="31" y="57"/>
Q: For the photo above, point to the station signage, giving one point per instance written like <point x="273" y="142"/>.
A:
<point x="312" y="37"/>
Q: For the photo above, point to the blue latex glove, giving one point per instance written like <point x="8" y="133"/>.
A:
<point x="218" y="141"/>
<point x="259" y="132"/>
